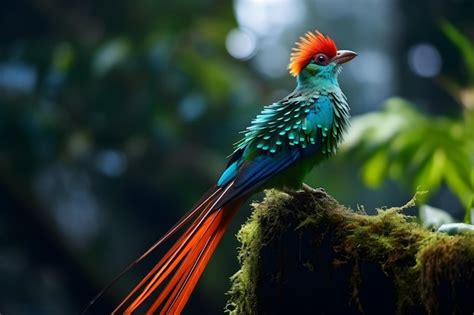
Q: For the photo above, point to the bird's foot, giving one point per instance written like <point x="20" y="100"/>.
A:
<point x="309" y="189"/>
<point x="304" y="188"/>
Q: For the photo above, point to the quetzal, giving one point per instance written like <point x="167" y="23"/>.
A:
<point x="278" y="149"/>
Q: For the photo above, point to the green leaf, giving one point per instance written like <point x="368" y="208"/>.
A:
<point x="457" y="185"/>
<point x="409" y="147"/>
<point x="462" y="43"/>
<point x="430" y="174"/>
<point x="375" y="129"/>
<point x="469" y="217"/>
<point x="374" y="170"/>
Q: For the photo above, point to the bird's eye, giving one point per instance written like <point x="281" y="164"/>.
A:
<point x="321" y="59"/>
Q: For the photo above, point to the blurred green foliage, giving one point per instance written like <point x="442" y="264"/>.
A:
<point x="115" y="116"/>
<point x="421" y="151"/>
<point x="463" y="44"/>
<point x="101" y="106"/>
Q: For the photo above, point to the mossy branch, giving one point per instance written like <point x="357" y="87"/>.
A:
<point x="306" y="254"/>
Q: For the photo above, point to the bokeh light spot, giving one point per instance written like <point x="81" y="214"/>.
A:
<point x="240" y="44"/>
<point x="267" y="18"/>
<point x="191" y="107"/>
<point x="111" y="163"/>
<point x="424" y="60"/>
<point x="17" y="77"/>
<point x="110" y="55"/>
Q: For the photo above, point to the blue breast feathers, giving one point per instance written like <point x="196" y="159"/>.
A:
<point x="302" y="135"/>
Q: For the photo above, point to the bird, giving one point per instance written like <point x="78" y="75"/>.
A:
<point x="279" y="147"/>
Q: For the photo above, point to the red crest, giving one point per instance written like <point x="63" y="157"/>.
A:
<point x="309" y="46"/>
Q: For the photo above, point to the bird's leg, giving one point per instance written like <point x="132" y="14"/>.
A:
<point x="304" y="188"/>
<point x="312" y="190"/>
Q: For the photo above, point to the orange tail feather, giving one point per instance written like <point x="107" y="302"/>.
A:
<point x="178" y="272"/>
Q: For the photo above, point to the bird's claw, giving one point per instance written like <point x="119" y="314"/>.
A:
<point x="304" y="188"/>
<point x="309" y="189"/>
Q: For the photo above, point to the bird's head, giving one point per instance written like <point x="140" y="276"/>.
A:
<point x="316" y="57"/>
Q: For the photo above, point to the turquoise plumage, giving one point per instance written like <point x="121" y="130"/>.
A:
<point x="281" y="145"/>
<point x="289" y="137"/>
<point x="306" y="121"/>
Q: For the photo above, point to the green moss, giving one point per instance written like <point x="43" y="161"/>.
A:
<point x="446" y="269"/>
<point x="265" y="217"/>
<point x="242" y="292"/>
<point x="415" y="259"/>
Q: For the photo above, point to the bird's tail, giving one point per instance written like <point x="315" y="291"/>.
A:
<point x="174" y="277"/>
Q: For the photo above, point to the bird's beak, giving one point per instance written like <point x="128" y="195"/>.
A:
<point x="343" y="56"/>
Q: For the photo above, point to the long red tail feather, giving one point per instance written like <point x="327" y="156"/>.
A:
<point x="175" y="276"/>
<point x="213" y="193"/>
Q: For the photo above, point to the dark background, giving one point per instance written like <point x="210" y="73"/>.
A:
<point x="116" y="115"/>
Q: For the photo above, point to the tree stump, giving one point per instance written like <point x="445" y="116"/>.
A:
<point x="304" y="253"/>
